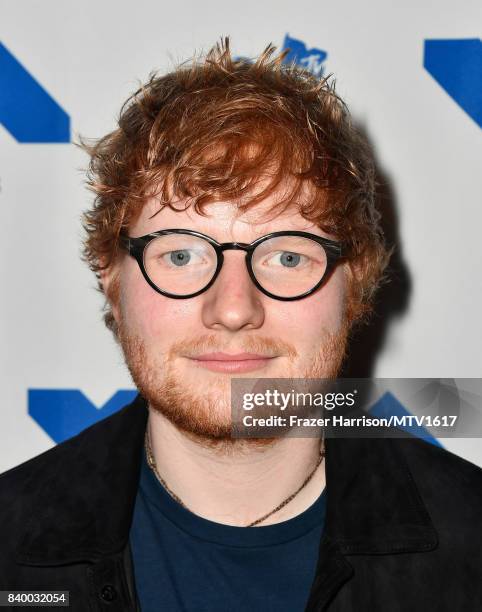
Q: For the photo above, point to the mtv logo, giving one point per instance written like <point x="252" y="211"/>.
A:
<point x="311" y="59"/>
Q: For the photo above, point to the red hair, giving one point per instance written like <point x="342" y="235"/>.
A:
<point x="221" y="128"/>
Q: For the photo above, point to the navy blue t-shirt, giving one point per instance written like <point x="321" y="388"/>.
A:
<point x="183" y="562"/>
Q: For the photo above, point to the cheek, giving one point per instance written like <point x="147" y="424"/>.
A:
<point x="307" y="321"/>
<point x="330" y="302"/>
<point x="145" y="312"/>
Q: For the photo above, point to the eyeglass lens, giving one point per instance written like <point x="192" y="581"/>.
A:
<point x="286" y="266"/>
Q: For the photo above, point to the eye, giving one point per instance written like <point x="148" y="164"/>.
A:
<point x="178" y="258"/>
<point x="182" y="257"/>
<point x="172" y="253"/>
<point x="287" y="259"/>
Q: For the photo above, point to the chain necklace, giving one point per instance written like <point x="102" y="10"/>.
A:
<point x="152" y="464"/>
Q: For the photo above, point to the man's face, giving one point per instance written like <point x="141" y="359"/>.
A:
<point x="163" y="338"/>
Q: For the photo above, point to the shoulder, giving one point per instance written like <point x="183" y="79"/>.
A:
<point x="430" y="460"/>
<point x="450" y="486"/>
<point x="19" y="487"/>
<point x="24" y="480"/>
<point x="67" y="484"/>
<point x="17" y="480"/>
<point x="74" y="498"/>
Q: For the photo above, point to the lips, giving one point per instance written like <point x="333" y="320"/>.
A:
<point x="231" y="357"/>
<point x="232" y="362"/>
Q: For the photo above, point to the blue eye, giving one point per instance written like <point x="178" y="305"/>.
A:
<point x="285" y="259"/>
<point x="290" y="260"/>
<point x="180" y="258"/>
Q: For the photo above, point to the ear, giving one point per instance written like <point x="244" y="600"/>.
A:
<point x="351" y="272"/>
<point x="109" y="283"/>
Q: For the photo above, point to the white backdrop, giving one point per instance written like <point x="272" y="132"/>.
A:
<point x="89" y="56"/>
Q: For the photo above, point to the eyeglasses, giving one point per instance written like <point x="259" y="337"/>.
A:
<point x="182" y="263"/>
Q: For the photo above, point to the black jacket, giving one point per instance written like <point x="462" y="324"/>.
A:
<point x="403" y="527"/>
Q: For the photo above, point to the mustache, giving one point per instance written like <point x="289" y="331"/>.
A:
<point x="263" y="345"/>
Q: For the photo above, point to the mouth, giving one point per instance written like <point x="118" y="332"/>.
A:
<point x="232" y="363"/>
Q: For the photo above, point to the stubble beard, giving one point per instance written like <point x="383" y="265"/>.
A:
<point x="205" y="416"/>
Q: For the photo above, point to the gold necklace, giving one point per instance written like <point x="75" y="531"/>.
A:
<point x="152" y="464"/>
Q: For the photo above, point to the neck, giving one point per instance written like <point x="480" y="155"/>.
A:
<point x="239" y="485"/>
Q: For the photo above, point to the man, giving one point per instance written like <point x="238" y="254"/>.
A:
<point x="159" y="507"/>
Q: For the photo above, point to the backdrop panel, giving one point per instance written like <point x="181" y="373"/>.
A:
<point x="411" y="73"/>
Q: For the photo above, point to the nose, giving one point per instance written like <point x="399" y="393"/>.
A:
<point x="233" y="302"/>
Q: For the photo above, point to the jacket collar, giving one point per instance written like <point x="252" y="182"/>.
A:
<point x="82" y="494"/>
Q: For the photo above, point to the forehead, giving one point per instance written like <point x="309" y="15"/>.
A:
<point x="223" y="220"/>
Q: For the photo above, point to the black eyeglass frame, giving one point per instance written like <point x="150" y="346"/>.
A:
<point x="136" y="248"/>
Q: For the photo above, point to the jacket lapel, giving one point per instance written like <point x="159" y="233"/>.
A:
<point x="373" y="507"/>
<point x="332" y="571"/>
